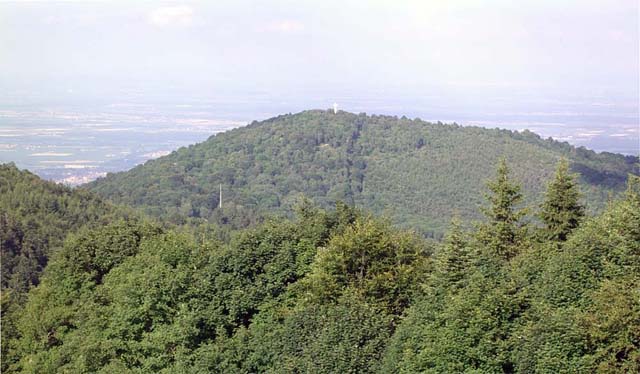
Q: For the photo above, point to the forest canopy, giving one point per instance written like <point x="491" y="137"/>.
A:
<point x="417" y="173"/>
<point x="341" y="290"/>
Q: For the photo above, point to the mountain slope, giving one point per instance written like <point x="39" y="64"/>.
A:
<point x="416" y="172"/>
<point x="35" y="217"/>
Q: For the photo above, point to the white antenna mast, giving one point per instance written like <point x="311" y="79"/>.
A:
<point x="220" y="203"/>
<point x="335" y="108"/>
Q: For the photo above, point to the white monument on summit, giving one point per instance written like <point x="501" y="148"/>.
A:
<point x="335" y="108"/>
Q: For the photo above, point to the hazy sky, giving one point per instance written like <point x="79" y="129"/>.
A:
<point x="572" y="48"/>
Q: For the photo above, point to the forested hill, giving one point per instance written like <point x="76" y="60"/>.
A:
<point x="343" y="292"/>
<point x="35" y="217"/>
<point x="416" y="172"/>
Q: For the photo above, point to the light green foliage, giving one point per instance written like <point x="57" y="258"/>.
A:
<point x="377" y="262"/>
<point x="612" y="326"/>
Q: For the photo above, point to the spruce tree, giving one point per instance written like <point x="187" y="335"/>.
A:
<point x="632" y="194"/>
<point x="454" y="258"/>
<point x="561" y="211"/>
<point x="502" y="231"/>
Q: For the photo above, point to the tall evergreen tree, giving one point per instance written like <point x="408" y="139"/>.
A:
<point x="502" y="231"/>
<point x="454" y="258"/>
<point x="632" y="194"/>
<point x="561" y="211"/>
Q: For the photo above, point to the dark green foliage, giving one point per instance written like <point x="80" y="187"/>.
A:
<point x="51" y="324"/>
<point x="561" y="211"/>
<point x="585" y="317"/>
<point x="343" y="328"/>
<point x="35" y="217"/>
<point x="338" y="291"/>
<point x="10" y="306"/>
<point x="453" y="260"/>
<point x="415" y="172"/>
<point x="132" y="296"/>
<point x="575" y="310"/>
<point x="463" y="320"/>
<point x="257" y="267"/>
<point x="502" y="231"/>
<point x="348" y="336"/>
<point x="467" y="331"/>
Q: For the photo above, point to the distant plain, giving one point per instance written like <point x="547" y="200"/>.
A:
<point x="73" y="141"/>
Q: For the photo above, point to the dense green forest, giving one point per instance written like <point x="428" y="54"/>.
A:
<point x="35" y="217"/>
<point x="419" y="174"/>
<point x="340" y="290"/>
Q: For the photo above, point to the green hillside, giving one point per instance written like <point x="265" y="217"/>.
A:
<point x="35" y="217"/>
<point x="342" y="292"/>
<point x="417" y="173"/>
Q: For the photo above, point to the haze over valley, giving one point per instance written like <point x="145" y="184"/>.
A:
<point x="74" y="141"/>
<point x="76" y="144"/>
<point x="94" y="88"/>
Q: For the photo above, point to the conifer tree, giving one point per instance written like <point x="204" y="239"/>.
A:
<point x="454" y="258"/>
<point x="502" y="231"/>
<point x="632" y="194"/>
<point x="561" y="211"/>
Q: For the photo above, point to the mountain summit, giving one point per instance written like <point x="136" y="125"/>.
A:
<point x="418" y="173"/>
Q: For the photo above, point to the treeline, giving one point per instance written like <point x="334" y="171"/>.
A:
<point x="381" y="164"/>
<point x="343" y="291"/>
